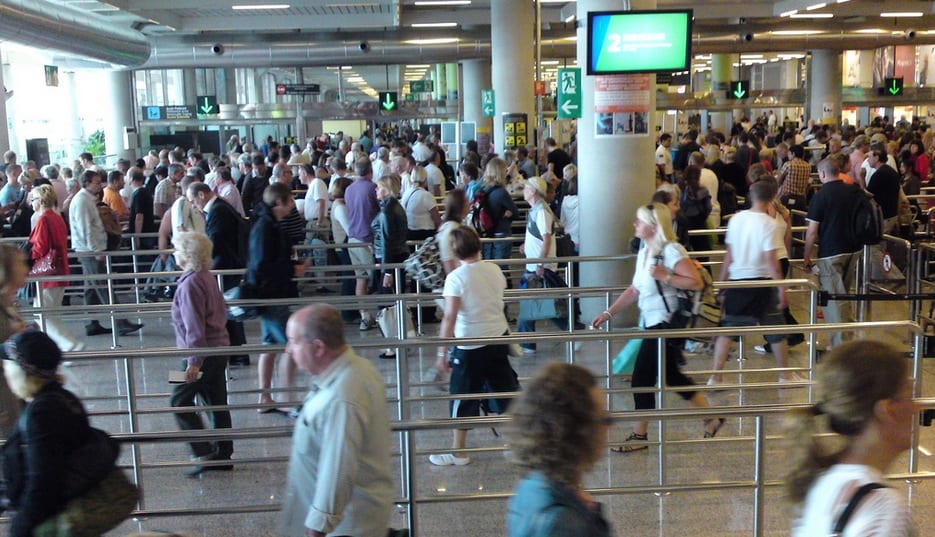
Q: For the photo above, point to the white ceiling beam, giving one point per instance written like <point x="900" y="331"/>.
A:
<point x="285" y="22"/>
<point x="140" y="5"/>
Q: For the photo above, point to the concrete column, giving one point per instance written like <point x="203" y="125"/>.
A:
<point x="824" y="89"/>
<point x="511" y="45"/>
<point x="722" y="69"/>
<point x="4" y="121"/>
<point x="230" y="86"/>
<point x="190" y="87"/>
<point x="72" y="117"/>
<point x="616" y="175"/>
<point x="451" y="80"/>
<point x="476" y="74"/>
<point x="120" y="116"/>
<point x="441" y="82"/>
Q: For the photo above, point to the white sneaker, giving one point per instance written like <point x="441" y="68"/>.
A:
<point x="712" y="382"/>
<point x="759" y="349"/>
<point x="793" y="377"/>
<point x="447" y="459"/>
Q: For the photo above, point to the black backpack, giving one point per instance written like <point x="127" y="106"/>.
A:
<point x="865" y="219"/>
<point x="727" y="198"/>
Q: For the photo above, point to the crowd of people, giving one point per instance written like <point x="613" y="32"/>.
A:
<point x="249" y="207"/>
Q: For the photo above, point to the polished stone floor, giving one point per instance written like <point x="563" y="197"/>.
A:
<point x="715" y="498"/>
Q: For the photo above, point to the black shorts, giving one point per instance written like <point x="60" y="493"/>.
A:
<point x="751" y="307"/>
<point x="482" y="370"/>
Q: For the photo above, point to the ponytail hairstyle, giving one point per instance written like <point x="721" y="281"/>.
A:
<point x="850" y="381"/>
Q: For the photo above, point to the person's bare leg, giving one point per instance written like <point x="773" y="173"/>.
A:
<point x="641" y="428"/>
<point x="458" y="442"/>
<point x="781" y="352"/>
<point x="361" y="290"/>
<point x="287" y="376"/>
<point x="265" y="374"/>
<point x="721" y="350"/>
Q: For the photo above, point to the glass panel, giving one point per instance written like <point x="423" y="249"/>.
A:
<point x="175" y="87"/>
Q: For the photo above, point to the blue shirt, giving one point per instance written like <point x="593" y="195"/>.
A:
<point x="10" y="194"/>
<point x="544" y="508"/>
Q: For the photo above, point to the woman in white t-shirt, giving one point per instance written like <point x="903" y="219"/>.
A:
<point x="456" y="210"/>
<point x="421" y="212"/>
<point x="866" y="399"/>
<point x="662" y="265"/>
<point x="473" y="309"/>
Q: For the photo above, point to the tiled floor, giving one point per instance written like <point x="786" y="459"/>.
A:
<point x="709" y="512"/>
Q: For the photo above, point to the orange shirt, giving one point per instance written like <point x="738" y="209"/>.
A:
<point x="113" y="200"/>
<point x="846" y="178"/>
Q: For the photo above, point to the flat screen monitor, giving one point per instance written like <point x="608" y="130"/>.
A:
<point x="621" y="42"/>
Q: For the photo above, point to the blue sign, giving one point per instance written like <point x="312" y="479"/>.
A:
<point x="153" y="113"/>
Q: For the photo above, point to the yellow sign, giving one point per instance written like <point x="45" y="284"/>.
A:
<point x="508" y="128"/>
<point x="509" y="141"/>
<point x="521" y="128"/>
<point x="521" y="140"/>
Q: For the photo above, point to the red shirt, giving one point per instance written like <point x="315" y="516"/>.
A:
<point x="50" y="233"/>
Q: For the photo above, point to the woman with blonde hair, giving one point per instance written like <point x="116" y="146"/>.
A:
<point x="199" y="317"/>
<point x="500" y="205"/>
<point x="662" y="268"/>
<point x="865" y="399"/>
<point x="560" y="432"/>
<point x="422" y="215"/>
<point x="49" y="239"/>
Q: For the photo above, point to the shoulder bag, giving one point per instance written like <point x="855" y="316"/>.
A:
<point x="45" y="265"/>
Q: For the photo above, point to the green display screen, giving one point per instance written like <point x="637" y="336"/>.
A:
<point x="639" y="41"/>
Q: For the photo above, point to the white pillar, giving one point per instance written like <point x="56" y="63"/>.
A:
<point x="190" y="87"/>
<point x="511" y="46"/>
<point x="120" y="116"/>
<point x="616" y="175"/>
<point x="451" y="80"/>
<point x="824" y="91"/>
<point x="476" y="77"/>
<point x="4" y="121"/>
<point x="73" y="118"/>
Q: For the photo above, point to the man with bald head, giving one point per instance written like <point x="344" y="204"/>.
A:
<point x="339" y="470"/>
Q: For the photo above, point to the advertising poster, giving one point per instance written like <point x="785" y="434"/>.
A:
<point x="927" y="65"/>
<point x="621" y="105"/>
<point x="905" y="64"/>
<point x="851" y="68"/>
<point x="884" y="65"/>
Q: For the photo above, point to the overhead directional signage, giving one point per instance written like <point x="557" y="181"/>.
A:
<point x="892" y="87"/>
<point x="569" y="93"/>
<point x="297" y="89"/>
<point x="421" y="86"/>
<point x="514" y="130"/>
<point x="388" y="101"/>
<point x="153" y="113"/>
<point x="207" y="105"/>
<point x="180" y="112"/>
<point x="487" y="102"/>
<point x="739" y="89"/>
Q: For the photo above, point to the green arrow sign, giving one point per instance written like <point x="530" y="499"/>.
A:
<point x="207" y="104"/>
<point x="388" y="101"/>
<point x="569" y="93"/>
<point x="487" y="102"/>
<point x="739" y="89"/>
<point x="894" y="86"/>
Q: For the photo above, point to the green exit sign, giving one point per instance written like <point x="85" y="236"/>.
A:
<point x="739" y="89"/>
<point x="389" y="101"/>
<point x="892" y="87"/>
<point x="421" y="86"/>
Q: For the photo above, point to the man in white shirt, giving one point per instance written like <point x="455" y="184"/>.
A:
<point x="664" y="155"/>
<point x="436" y="179"/>
<point x="316" y="199"/>
<point x="338" y="481"/>
<point x="421" y="150"/>
<point x="88" y="235"/>
<point x="381" y="162"/>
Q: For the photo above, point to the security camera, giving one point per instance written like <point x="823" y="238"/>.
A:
<point x="745" y="38"/>
<point x="909" y="35"/>
<point x="364" y="46"/>
<point x="217" y="49"/>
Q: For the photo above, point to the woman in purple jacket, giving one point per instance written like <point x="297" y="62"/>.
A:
<point x="200" y="320"/>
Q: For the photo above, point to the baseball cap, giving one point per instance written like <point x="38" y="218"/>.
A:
<point x="538" y="183"/>
<point x="34" y="351"/>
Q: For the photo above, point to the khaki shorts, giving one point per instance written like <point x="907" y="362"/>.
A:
<point x="360" y="256"/>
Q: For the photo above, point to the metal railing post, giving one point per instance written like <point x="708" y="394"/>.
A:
<point x="759" y="441"/>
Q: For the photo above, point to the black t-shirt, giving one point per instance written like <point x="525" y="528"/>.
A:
<point x="884" y="185"/>
<point x="141" y="202"/>
<point x="498" y="202"/>
<point x="830" y="207"/>
<point x="559" y="158"/>
<point x="731" y="172"/>
<point x="681" y="156"/>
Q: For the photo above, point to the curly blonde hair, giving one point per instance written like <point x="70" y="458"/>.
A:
<point x="557" y="425"/>
<point x="195" y="248"/>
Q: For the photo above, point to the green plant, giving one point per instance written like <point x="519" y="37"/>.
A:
<point x="95" y="143"/>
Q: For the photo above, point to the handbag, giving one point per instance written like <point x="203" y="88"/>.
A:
<point x="387" y="320"/>
<point x="626" y="358"/>
<point x="244" y="291"/>
<point x="543" y="308"/>
<point x="95" y="512"/>
<point x="45" y="265"/>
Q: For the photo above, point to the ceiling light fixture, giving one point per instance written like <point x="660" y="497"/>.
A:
<point x="443" y="3"/>
<point x="788" y="13"/>
<point x="897" y="14"/>
<point x="816" y="6"/>
<point x="434" y="24"/>
<point x="811" y="15"/>
<point x="241" y="7"/>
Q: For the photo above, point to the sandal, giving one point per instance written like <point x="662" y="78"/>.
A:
<point x="718" y="423"/>
<point x="634" y="437"/>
